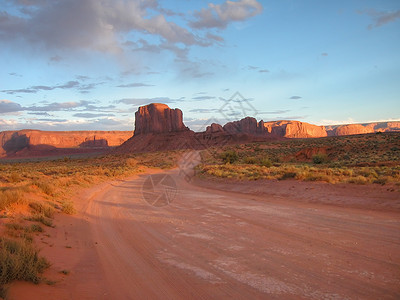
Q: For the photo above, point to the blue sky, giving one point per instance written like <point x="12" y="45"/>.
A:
<point x="88" y="64"/>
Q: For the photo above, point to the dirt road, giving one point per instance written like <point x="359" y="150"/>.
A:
<point x="210" y="244"/>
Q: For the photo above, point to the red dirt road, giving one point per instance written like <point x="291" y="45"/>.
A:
<point x="215" y="244"/>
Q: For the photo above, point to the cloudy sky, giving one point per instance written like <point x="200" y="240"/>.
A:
<point x="88" y="64"/>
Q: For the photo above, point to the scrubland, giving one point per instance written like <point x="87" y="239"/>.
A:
<point x="32" y="193"/>
<point x="362" y="159"/>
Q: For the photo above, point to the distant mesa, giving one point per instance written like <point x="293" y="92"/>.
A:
<point x="295" y="129"/>
<point x="158" y="127"/>
<point x="40" y="143"/>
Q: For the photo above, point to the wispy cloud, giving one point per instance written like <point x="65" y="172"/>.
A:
<point x="381" y="18"/>
<point x="295" y="97"/>
<point x="220" y="15"/>
<point x="82" y="88"/>
<point x="144" y="101"/>
<point x="134" y="84"/>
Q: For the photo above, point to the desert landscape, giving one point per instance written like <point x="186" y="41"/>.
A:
<point x="240" y="210"/>
<point x="219" y="149"/>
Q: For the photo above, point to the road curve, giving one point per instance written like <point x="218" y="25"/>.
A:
<point x="209" y="244"/>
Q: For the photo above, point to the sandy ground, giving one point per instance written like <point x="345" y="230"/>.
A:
<point x="255" y="240"/>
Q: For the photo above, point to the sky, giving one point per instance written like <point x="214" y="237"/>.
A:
<point x="89" y="64"/>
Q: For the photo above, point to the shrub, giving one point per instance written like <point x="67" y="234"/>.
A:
<point x="42" y="219"/>
<point x="319" y="158"/>
<point x="229" y="156"/>
<point x="19" y="260"/>
<point x="250" y="160"/>
<point x="358" y="180"/>
<point x="45" y="187"/>
<point x="42" y="208"/>
<point x="68" y="208"/>
<point x="288" y="175"/>
<point x="266" y="162"/>
<point x="9" y="197"/>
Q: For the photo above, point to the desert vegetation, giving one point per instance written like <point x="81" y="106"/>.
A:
<point x="361" y="159"/>
<point x="32" y="193"/>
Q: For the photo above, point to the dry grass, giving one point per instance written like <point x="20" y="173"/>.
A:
<point x="20" y="260"/>
<point x="46" y="188"/>
<point x="355" y="159"/>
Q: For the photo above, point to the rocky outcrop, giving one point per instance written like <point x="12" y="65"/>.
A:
<point x="158" y="118"/>
<point x="350" y="129"/>
<point x="247" y="125"/>
<point x="157" y="127"/>
<point x="295" y="129"/>
<point x="12" y="142"/>
<point x="213" y="128"/>
<point x="353" y="129"/>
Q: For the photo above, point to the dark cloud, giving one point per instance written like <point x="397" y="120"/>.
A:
<point x="83" y="88"/>
<point x="134" y="84"/>
<point x="56" y="58"/>
<point x="220" y="15"/>
<point x="52" y="120"/>
<point x="144" y="46"/>
<point x="15" y="74"/>
<point x="202" y="98"/>
<point x="7" y="106"/>
<point x="46" y="114"/>
<point x="214" y="37"/>
<point x="263" y="71"/>
<point x="276" y="112"/>
<point x="324" y="54"/>
<point x="34" y="89"/>
<point x="91" y="115"/>
<point x="295" y="97"/>
<point x="56" y="106"/>
<point x="204" y="110"/>
<point x="145" y="101"/>
<point x="381" y="18"/>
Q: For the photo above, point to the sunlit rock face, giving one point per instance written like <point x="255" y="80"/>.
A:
<point x="295" y="129"/>
<point x="15" y="141"/>
<point x="158" y="118"/>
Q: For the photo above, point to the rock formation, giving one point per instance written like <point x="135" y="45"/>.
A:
<point x="213" y="128"/>
<point x="158" y="118"/>
<point x="295" y="129"/>
<point x="12" y="142"/>
<point x="353" y="129"/>
<point x="247" y="125"/>
<point x="350" y="129"/>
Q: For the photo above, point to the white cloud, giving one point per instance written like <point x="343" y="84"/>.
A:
<point x="90" y="24"/>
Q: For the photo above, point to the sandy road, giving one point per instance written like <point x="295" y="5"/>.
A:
<point x="210" y="244"/>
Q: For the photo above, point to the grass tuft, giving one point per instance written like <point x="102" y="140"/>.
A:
<point x="19" y="260"/>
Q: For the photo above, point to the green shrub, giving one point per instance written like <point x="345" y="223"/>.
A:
<point x="319" y="158"/>
<point x="250" y="160"/>
<point x="288" y="175"/>
<point x="19" y="260"/>
<point x="42" y="219"/>
<point x="229" y="156"/>
<point x="266" y="162"/>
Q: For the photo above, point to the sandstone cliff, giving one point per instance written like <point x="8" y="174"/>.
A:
<point x="295" y="129"/>
<point x="350" y="129"/>
<point x="247" y="125"/>
<point x="158" y="118"/>
<point x="12" y="142"/>
<point x="157" y="127"/>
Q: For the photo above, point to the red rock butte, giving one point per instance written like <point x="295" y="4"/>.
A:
<point x="158" y="118"/>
